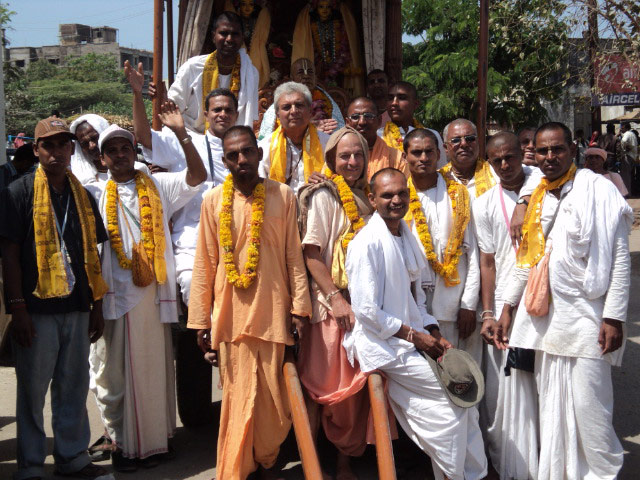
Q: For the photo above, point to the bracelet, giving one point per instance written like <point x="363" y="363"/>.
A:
<point x="186" y="140"/>
<point x="14" y="301"/>
<point x="490" y="318"/>
<point x="486" y="311"/>
<point x="410" y="335"/>
<point x="332" y="294"/>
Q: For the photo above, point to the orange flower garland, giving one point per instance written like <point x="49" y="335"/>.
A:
<point x="350" y="208"/>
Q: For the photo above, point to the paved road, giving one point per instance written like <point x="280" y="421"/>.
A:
<point x="196" y="448"/>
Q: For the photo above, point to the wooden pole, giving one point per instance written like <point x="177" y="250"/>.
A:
<point x="306" y="444"/>
<point x="170" y="55"/>
<point x="157" y="60"/>
<point x="483" y="61"/>
<point x="393" y="41"/>
<point x="592" y="16"/>
<point x="384" y="449"/>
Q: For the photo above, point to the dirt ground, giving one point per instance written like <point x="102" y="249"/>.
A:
<point x="196" y="449"/>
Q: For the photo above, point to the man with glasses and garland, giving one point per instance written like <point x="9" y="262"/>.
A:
<point x="295" y="151"/>
<point x="465" y="167"/>
<point x="363" y="116"/>
<point x="582" y="333"/>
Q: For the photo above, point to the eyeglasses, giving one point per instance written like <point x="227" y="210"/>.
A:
<point x="369" y="117"/>
<point x="467" y="139"/>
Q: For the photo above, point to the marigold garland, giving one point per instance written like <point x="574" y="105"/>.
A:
<point x="350" y="208"/>
<point x="245" y="279"/>
<point x="210" y="75"/>
<point x="393" y="137"/>
<point x="146" y="221"/>
<point x="448" y="269"/>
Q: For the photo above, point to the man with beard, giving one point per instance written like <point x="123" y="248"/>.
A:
<point x="363" y="116"/>
<point x="326" y="114"/>
<point x="85" y="161"/>
<point x="228" y="66"/>
<point x="296" y="149"/>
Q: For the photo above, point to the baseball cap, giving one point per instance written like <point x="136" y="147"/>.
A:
<point x="460" y="377"/>
<point x="52" y="126"/>
<point x="112" y="132"/>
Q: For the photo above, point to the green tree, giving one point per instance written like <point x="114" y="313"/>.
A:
<point x="93" y="68"/>
<point x="526" y="50"/>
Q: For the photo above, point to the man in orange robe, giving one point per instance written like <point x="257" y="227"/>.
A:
<point x="363" y="116"/>
<point x="248" y="328"/>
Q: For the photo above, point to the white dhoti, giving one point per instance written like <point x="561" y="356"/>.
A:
<point x="450" y="435"/>
<point x="472" y="344"/>
<point x="509" y="413"/>
<point x="133" y="379"/>
<point x="184" y="271"/>
<point x="577" y="439"/>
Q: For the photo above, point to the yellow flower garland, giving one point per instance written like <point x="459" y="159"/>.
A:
<point x="459" y="196"/>
<point x="146" y="221"/>
<point x="210" y="77"/>
<point x="350" y="208"/>
<point x="482" y="175"/>
<point x="245" y="279"/>
<point x="392" y="135"/>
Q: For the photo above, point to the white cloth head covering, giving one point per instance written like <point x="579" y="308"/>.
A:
<point x="82" y="166"/>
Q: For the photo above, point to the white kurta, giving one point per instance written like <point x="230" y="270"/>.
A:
<point x="589" y="280"/>
<point x="471" y="184"/>
<point x="444" y="302"/>
<point x="384" y="274"/>
<point x="269" y="117"/>
<point x="294" y="160"/>
<point x="167" y="151"/>
<point x="509" y="409"/>
<point x="186" y="92"/>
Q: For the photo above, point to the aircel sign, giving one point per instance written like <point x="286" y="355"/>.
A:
<point x="617" y="82"/>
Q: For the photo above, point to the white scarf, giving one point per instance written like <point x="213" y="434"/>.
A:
<point x="590" y="231"/>
<point x="82" y="166"/>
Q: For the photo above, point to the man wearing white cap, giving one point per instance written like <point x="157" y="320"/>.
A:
<point x="594" y="160"/>
<point x="134" y="373"/>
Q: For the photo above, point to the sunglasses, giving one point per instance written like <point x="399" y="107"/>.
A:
<point x="467" y="139"/>
<point x="369" y="117"/>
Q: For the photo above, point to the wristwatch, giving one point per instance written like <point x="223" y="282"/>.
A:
<point x="523" y="201"/>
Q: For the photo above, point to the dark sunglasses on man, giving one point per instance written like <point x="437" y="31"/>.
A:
<point x="467" y="139"/>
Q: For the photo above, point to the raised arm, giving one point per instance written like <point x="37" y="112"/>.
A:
<point x="172" y="118"/>
<point x="141" y="126"/>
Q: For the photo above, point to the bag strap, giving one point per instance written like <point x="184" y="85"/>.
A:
<point x="555" y="215"/>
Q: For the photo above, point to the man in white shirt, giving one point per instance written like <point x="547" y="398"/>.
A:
<point x="133" y="371"/>
<point x="629" y="145"/>
<point x="451" y="282"/>
<point x="228" y="66"/>
<point x="465" y="166"/>
<point x="588" y="222"/>
<point x="510" y="407"/>
<point x="385" y="266"/>
<point x="295" y="150"/>
<point x="221" y="112"/>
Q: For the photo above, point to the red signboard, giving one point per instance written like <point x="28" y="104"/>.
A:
<point x="617" y="75"/>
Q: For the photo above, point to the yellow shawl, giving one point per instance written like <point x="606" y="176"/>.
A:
<point x="533" y="243"/>
<point x="52" y="277"/>
<point x="210" y="78"/>
<point x="312" y="155"/>
<point x="483" y="178"/>
<point x="393" y="137"/>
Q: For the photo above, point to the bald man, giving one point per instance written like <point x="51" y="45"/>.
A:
<point x="509" y="409"/>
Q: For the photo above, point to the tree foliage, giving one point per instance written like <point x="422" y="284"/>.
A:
<point x="90" y="83"/>
<point x="527" y="46"/>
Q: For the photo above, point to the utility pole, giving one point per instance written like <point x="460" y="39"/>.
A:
<point x="592" y="16"/>
<point x="483" y="61"/>
<point x="170" y="56"/>
<point x="3" y="131"/>
<point x="158" y="14"/>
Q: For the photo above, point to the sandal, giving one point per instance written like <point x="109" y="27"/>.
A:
<point x="101" y="449"/>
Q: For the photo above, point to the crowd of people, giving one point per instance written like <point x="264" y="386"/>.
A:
<point x="491" y="294"/>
